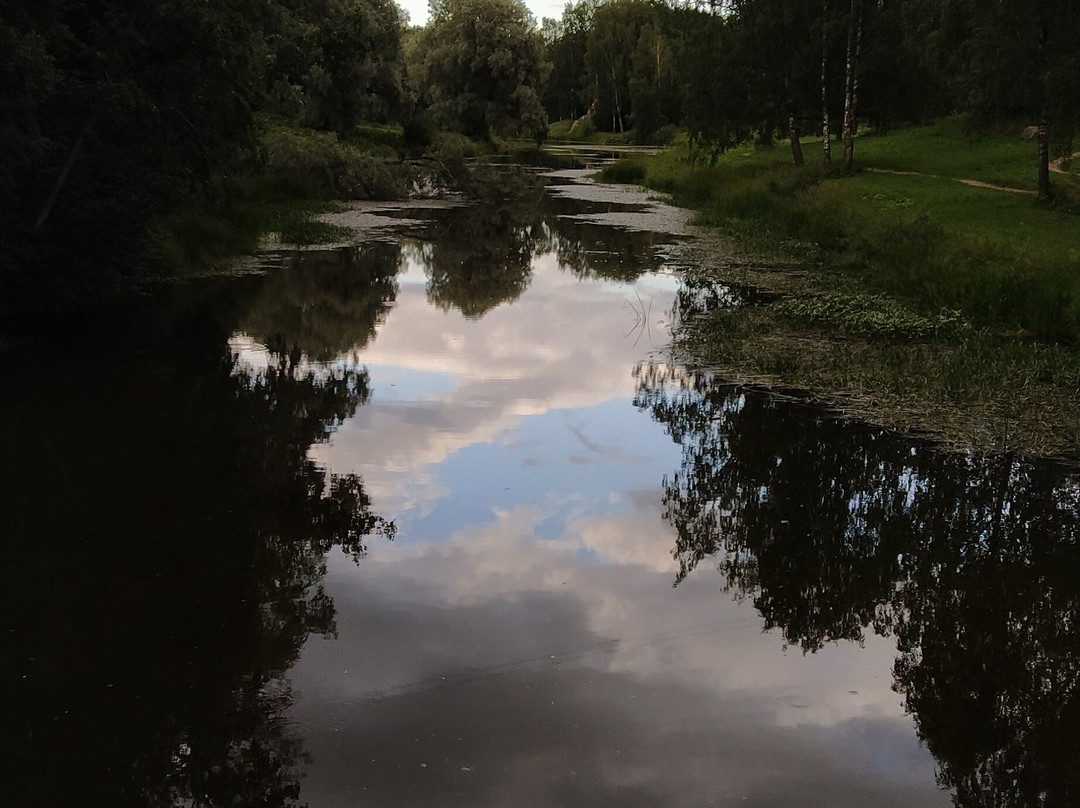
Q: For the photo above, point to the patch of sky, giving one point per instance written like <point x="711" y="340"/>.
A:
<point x="564" y="464"/>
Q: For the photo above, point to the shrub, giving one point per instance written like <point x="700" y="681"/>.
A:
<point x="336" y="169"/>
<point x="665" y="135"/>
<point x="624" y="171"/>
<point x="790" y="180"/>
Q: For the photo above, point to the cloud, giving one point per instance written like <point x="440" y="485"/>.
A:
<point x="461" y="383"/>
<point x="495" y="667"/>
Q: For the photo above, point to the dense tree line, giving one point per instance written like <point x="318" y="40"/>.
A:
<point x="780" y="69"/>
<point x="115" y="111"/>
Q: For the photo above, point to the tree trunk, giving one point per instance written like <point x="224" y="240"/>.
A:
<point x="826" y="146"/>
<point x="793" y="136"/>
<point x="1044" y="159"/>
<point x="851" y="81"/>
<point x="615" y="88"/>
<point x="76" y="150"/>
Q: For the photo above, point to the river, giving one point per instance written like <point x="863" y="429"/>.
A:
<point x="431" y="519"/>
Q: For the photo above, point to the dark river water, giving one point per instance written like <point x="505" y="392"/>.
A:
<point x="431" y="520"/>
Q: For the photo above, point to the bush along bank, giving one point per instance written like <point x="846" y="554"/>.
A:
<point x="300" y="173"/>
<point x="303" y="173"/>
<point x="916" y="300"/>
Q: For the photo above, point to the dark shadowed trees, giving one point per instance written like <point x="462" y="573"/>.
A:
<point x="971" y="562"/>
<point x="483" y="68"/>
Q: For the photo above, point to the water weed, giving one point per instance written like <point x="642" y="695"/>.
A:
<point x="924" y="303"/>
<point x="869" y="316"/>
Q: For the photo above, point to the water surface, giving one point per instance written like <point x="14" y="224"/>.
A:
<point x="433" y="520"/>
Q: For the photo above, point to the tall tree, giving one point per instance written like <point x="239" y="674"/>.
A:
<point x="780" y="43"/>
<point x="568" y="92"/>
<point x="851" y="79"/>
<point x="716" y="100"/>
<point x="333" y="63"/>
<point x="613" y="38"/>
<point x="483" y="67"/>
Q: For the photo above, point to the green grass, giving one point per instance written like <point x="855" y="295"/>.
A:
<point x="559" y="131"/>
<point x="918" y="288"/>
<point x="1004" y="261"/>
<point x="954" y="147"/>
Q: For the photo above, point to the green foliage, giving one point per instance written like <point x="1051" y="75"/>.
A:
<point x="304" y="231"/>
<point x="626" y="171"/>
<point x="559" y="130"/>
<point x="569" y="89"/>
<point x="666" y="135"/>
<point x="789" y="180"/>
<point x="925" y="241"/>
<point x="454" y="147"/>
<point x="482" y="68"/>
<point x="612" y="41"/>
<point x="334" y="168"/>
<point x="869" y="316"/>
<point x="114" y="116"/>
<point x="303" y="171"/>
<point x="354" y="72"/>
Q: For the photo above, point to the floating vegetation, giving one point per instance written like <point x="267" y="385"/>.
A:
<point x="870" y="316"/>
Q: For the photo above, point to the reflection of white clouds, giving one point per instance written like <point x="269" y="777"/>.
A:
<point x="528" y="647"/>
<point x="564" y="344"/>
<point x="673" y="690"/>
<point x="627" y="539"/>
<point x="691" y="635"/>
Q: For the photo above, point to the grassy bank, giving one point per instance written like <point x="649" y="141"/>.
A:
<point x="913" y="299"/>
<point x="298" y="173"/>
<point x="303" y="173"/>
<point x="585" y="132"/>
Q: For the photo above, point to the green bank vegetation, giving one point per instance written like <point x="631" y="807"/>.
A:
<point x="912" y="298"/>
<point x="139" y="138"/>
<point x="114" y="116"/>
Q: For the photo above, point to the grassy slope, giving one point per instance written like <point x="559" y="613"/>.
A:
<point x="559" y="132"/>
<point x="1005" y="372"/>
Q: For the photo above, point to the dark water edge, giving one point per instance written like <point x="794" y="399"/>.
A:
<point x="168" y="537"/>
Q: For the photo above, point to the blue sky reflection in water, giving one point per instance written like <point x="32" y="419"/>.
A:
<point x="202" y="639"/>
<point x="520" y="642"/>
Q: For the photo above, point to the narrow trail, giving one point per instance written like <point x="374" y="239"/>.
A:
<point x="972" y="183"/>
<point x="1057" y="166"/>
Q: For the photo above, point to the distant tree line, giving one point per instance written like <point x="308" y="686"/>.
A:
<point x="770" y="69"/>
<point x="115" y="111"/>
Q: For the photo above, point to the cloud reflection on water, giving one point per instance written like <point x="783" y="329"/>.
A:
<point x="521" y="641"/>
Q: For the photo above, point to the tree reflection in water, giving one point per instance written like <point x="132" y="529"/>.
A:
<point x="591" y="250"/>
<point x="327" y="302"/>
<point x="166" y="544"/>
<point x="479" y="257"/>
<point x="971" y="561"/>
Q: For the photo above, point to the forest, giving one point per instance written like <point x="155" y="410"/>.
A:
<point x="119" y="113"/>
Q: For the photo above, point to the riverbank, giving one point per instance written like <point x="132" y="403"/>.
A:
<point x="305" y="173"/>
<point x="913" y="300"/>
<point x="301" y="174"/>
